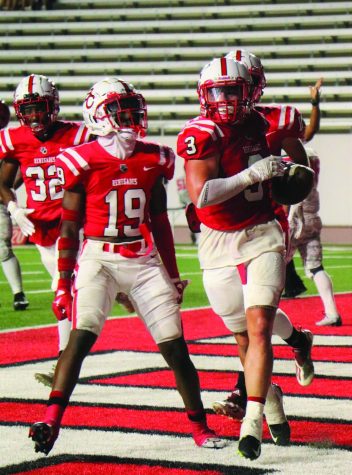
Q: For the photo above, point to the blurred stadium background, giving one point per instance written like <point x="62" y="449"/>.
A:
<point x="160" y="46"/>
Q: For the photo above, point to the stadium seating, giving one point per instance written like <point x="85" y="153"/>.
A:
<point x="160" y="46"/>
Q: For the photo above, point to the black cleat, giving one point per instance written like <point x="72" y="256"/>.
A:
<point x="43" y="436"/>
<point x="292" y="292"/>
<point x="249" y="447"/>
<point x="20" y="302"/>
<point x="234" y="406"/>
<point x="280" y="433"/>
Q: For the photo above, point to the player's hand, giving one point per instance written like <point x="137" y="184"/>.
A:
<point x="20" y="216"/>
<point x="192" y="218"/>
<point x="123" y="299"/>
<point x="62" y="304"/>
<point x="315" y="90"/>
<point x="180" y="287"/>
<point x="265" y="169"/>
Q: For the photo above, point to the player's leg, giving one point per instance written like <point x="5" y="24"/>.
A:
<point x="301" y="341"/>
<point x="261" y="297"/>
<point x="293" y="283"/>
<point x="154" y="297"/>
<point x="94" y="295"/>
<point x="48" y="257"/>
<point x="313" y="264"/>
<point x="9" y="261"/>
<point x="223" y="287"/>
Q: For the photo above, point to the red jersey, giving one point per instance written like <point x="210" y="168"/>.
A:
<point x="117" y="191"/>
<point x="239" y="146"/>
<point x="37" y="163"/>
<point x="284" y="121"/>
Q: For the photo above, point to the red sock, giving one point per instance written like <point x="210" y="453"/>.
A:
<point x="56" y="407"/>
<point x="196" y="416"/>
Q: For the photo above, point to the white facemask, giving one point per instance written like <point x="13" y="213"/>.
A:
<point x="119" y="144"/>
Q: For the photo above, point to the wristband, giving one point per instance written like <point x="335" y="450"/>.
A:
<point x="66" y="244"/>
<point x="314" y="102"/>
<point x="66" y="264"/>
<point x="70" y="215"/>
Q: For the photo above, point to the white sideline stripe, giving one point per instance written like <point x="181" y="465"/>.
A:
<point x="281" y="460"/>
<point x="319" y="340"/>
<point x="19" y="379"/>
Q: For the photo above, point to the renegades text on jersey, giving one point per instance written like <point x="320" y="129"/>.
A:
<point x="37" y="163"/>
<point x="239" y="146"/>
<point x="117" y="191"/>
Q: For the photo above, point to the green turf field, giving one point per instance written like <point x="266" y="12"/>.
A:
<point x="337" y="261"/>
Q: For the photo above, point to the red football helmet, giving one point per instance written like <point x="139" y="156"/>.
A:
<point x="4" y="115"/>
<point x="36" y="103"/>
<point x="223" y="90"/>
<point x="255" y="69"/>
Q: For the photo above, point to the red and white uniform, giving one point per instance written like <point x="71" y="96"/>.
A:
<point x="117" y="191"/>
<point x="117" y="198"/>
<point x="240" y="239"/>
<point x="239" y="147"/>
<point x="37" y="163"/>
<point x="284" y="121"/>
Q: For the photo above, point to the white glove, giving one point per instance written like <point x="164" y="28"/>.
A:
<point x="296" y="221"/>
<point x="265" y="169"/>
<point x="20" y="216"/>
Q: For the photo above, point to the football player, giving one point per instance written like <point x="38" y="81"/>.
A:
<point x="32" y="147"/>
<point x="9" y="262"/>
<point x="286" y="130"/>
<point x="241" y="247"/>
<point x="305" y="228"/>
<point x="114" y="185"/>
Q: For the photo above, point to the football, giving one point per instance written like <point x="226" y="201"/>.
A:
<point x="294" y="186"/>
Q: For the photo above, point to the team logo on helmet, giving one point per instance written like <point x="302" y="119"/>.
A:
<point x="114" y="105"/>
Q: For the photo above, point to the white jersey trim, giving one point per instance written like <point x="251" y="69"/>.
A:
<point x="79" y="134"/>
<point x="8" y="142"/>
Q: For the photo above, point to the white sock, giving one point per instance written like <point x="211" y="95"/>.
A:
<point x="253" y="422"/>
<point x="324" y="287"/>
<point x="12" y="272"/>
<point x="282" y="325"/>
<point x="64" y="329"/>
